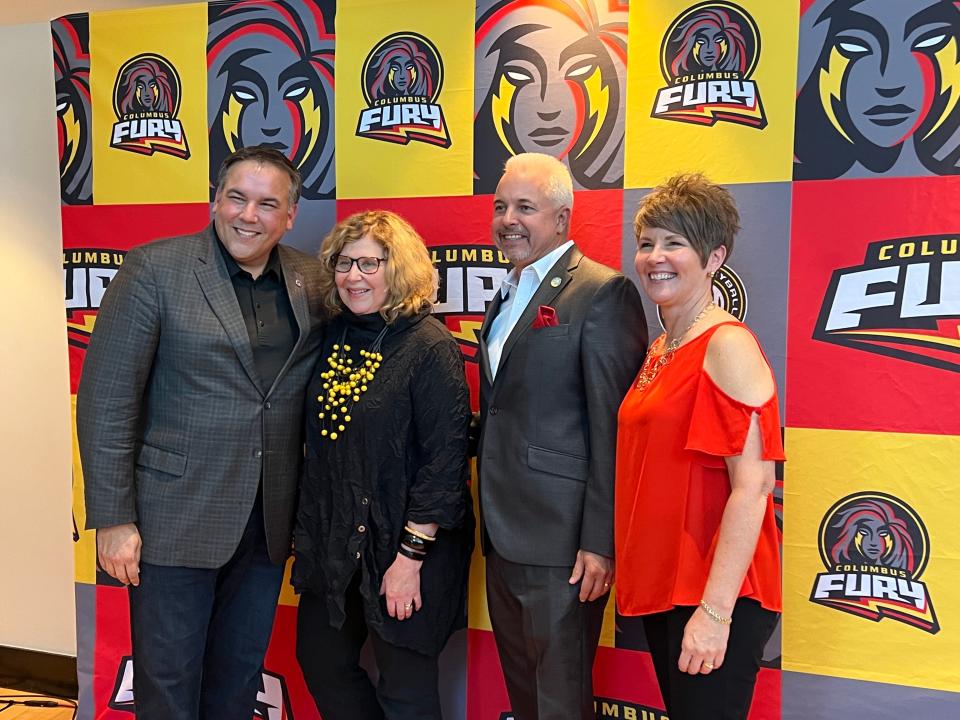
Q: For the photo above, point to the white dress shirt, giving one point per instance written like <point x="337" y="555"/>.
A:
<point x="516" y="293"/>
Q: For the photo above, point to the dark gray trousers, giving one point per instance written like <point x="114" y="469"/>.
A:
<point x="546" y="638"/>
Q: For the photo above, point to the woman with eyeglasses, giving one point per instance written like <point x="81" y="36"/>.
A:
<point x="385" y="525"/>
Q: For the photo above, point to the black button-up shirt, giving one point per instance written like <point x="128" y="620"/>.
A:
<point x="267" y="313"/>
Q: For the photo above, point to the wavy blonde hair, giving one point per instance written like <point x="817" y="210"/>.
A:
<point x="411" y="278"/>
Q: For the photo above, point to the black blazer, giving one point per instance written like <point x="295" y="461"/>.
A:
<point x="549" y="421"/>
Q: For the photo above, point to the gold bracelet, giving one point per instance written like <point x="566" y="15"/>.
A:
<point x="417" y="533"/>
<point x="714" y="615"/>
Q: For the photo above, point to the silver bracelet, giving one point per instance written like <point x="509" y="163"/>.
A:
<point x="714" y="615"/>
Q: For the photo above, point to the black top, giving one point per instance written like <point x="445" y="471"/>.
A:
<point x="402" y="457"/>
<point x="267" y="313"/>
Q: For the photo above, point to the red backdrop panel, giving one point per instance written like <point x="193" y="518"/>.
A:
<point x="833" y="386"/>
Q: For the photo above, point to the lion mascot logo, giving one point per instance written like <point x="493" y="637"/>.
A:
<point x="709" y="40"/>
<point x="874" y="549"/>
<point x="401" y="68"/>
<point x="71" y="62"/>
<point x="550" y="78"/>
<point x="879" y="86"/>
<point x="870" y="532"/>
<point x="707" y="58"/>
<point x="146" y="86"/>
<point x="270" y="82"/>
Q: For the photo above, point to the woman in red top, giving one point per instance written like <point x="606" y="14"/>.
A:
<point x="697" y="543"/>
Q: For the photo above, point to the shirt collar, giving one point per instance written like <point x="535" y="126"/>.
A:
<point x="540" y="268"/>
<point x="233" y="269"/>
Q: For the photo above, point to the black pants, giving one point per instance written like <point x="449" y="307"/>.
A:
<point x="199" y="635"/>
<point x="724" y="693"/>
<point x="330" y="660"/>
<point x="546" y="639"/>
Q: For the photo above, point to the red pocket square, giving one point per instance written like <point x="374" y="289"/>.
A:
<point x="546" y="317"/>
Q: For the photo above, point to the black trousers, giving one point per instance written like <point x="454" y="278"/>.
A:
<point x="330" y="660"/>
<point x="546" y="639"/>
<point x="199" y="635"/>
<point x="724" y="693"/>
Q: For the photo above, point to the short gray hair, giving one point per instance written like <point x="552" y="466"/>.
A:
<point x="554" y="175"/>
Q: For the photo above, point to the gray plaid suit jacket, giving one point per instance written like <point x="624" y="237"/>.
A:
<point x="174" y="426"/>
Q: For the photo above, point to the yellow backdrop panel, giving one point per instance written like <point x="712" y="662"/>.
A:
<point x="921" y="471"/>
<point x="85" y="549"/>
<point x="728" y="151"/>
<point x="368" y="167"/>
<point x="157" y="173"/>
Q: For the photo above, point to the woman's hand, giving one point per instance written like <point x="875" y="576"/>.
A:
<point x="704" y="644"/>
<point x="401" y="585"/>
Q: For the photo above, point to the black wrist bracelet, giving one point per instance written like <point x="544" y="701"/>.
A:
<point x="421" y="551"/>
<point x="413" y="542"/>
<point x="413" y="555"/>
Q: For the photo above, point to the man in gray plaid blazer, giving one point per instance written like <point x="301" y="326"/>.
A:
<point x="189" y="418"/>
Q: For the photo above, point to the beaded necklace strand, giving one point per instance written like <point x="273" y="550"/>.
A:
<point x="343" y="383"/>
<point x="650" y="366"/>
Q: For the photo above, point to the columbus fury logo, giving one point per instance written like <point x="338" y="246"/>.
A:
<point x="875" y="549"/>
<point x="146" y="100"/>
<point x="707" y="57"/>
<point x="470" y="276"/>
<point x="401" y="80"/>
<point x="904" y="301"/>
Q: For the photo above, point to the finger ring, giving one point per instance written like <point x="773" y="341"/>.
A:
<point x="408" y="606"/>
<point x="708" y="666"/>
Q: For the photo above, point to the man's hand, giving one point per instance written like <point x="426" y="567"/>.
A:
<point x="596" y="571"/>
<point x="118" y="552"/>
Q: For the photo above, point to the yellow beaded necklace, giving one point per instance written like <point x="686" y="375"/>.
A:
<point x="344" y="383"/>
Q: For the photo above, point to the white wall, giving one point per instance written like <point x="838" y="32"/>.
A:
<point x="36" y="553"/>
<point x="36" y="559"/>
<point x="14" y="13"/>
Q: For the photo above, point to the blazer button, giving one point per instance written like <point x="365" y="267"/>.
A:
<point x="358" y="556"/>
<point x="267" y="405"/>
<point x="494" y="409"/>
<point x="361" y="528"/>
<point x="365" y="501"/>
<point x="258" y="453"/>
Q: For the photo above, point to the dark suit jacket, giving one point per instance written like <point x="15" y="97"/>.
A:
<point x="174" y="425"/>
<point x="549" y="421"/>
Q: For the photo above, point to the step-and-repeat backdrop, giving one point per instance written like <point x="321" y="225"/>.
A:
<point x="835" y="124"/>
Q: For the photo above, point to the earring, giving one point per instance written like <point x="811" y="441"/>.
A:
<point x="711" y="274"/>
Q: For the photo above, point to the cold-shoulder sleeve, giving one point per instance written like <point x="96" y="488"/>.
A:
<point x="719" y="423"/>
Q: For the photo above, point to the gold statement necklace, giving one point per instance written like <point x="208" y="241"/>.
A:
<point x="344" y="383"/>
<point x="657" y="360"/>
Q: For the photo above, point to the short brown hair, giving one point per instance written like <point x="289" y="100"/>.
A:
<point x="692" y="206"/>
<point x="262" y="156"/>
<point x="410" y="275"/>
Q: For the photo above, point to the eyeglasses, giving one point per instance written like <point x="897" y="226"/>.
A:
<point x="366" y="265"/>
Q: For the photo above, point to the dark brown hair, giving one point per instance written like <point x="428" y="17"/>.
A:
<point x="692" y="206"/>
<point x="262" y="156"/>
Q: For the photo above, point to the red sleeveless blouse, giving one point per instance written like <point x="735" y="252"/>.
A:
<point x="672" y="486"/>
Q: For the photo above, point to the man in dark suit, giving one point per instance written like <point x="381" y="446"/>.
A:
<point x="560" y="344"/>
<point x="189" y="419"/>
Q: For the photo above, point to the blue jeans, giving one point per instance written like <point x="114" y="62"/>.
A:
<point x="200" y="635"/>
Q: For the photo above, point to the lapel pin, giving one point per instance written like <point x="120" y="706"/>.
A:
<point x="555" y="282"/>
<point x="299" y="284"/>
